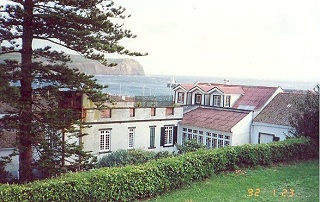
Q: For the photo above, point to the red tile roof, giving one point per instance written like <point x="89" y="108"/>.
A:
<point x="255" y="96"/>
<point x="252" y="97"/>
<point x="280" y="109"/>
<point x="207" y="87"/>
<point x="213" y="118"/>
<point x="187" y="87"/>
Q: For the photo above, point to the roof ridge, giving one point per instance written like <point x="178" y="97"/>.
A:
<point x="226" y="109"/>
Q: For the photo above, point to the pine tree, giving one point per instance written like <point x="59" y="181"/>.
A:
<point x="87" y="27"/>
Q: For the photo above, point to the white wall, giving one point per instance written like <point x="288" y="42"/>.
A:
<point x="119" y="136"/>
<point x="119" y="123"/>
<point x="241" y="131"/>
<point x="234" y="98"/>
<point x="277" y="130"/>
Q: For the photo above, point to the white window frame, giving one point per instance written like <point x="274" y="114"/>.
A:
<point x="216" y="100"/>
<point x="228" y="101"/>
<point x="131" y="134"/>
<point x="208" y="138"/>
<point x="152" y="137"/>
<point x="181" y="97"/>
<point x="198" y="99"/>
<point x="105" y="140"/>
<point x="168" y="135"/>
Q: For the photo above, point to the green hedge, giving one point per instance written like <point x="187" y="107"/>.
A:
<point x="155" y="177"/>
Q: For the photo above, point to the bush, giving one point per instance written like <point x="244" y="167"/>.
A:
<point x="117" y="158"/>
<point x="189" y="146"/>
<point x="164" y="154"/>
<point x="125" y="157"/>
<point x="142" y="181"/>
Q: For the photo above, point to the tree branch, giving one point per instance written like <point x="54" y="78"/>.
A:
<point x="7" y="52"/>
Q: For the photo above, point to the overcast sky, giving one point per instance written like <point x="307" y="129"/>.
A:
<point x="262" y="39"/>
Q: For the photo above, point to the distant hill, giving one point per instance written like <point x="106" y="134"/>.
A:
<point x="124" y="66"/>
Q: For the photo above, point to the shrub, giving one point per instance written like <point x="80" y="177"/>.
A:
<point x="123" y="157"/>
<point x="164" y="154"/>
<point x="117" y="158"/>
<point x="155" y="177"/>
<point x="189" y="146"/>
<point x="140" y="156"/>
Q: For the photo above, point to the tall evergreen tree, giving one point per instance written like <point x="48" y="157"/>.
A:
<point x="88" y="27"/>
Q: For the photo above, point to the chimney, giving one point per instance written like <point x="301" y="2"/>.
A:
<point x="226" y="81"/>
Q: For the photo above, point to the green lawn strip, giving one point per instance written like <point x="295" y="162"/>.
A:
<point x="274" y="183"/>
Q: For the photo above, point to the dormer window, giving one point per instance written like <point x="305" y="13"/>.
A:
<point x="216" y="100"/>
<point x="198" y="98"/>
<point x="180" y="97"/>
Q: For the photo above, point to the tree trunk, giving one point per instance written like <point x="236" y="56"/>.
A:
<point x="25" y="119"/>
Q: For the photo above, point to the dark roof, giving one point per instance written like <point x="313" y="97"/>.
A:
<point x="213" y="118"/>
<point x="280" y="109"/>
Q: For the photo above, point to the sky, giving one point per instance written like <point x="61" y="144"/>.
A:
<point x="256" y="39"/>
<point x="260" y="39"/>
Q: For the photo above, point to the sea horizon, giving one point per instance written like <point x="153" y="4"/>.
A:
<point x="153" y="84"/>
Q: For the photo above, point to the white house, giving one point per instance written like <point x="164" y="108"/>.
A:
<point x="272" y="124"/>
<point x="216" y="127"/>
<point x="139" y="126"/>
<point x="222" y="112"/>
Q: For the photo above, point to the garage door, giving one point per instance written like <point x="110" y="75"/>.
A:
<point x="265" y="138"/>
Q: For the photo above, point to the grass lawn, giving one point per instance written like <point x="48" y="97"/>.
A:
<point x="291" y="182"/>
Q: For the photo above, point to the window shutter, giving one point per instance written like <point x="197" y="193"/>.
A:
<point x="162" y="136"/>
<point x="175" y="134"/>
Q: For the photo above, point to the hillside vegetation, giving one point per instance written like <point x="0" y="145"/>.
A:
<point x="124" y="66"/>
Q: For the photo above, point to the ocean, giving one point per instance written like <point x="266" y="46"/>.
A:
<point x="156" y="85"/>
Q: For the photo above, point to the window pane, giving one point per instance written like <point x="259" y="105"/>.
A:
<point x="168" y="138"/>
<point x="105" y="141"/>
<point x="214" y="143"/>
<point x="200" y="139"/>
<point x="131" y="138"/>
<point x="152" y="136"/>
<point x="208" y="142"/>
